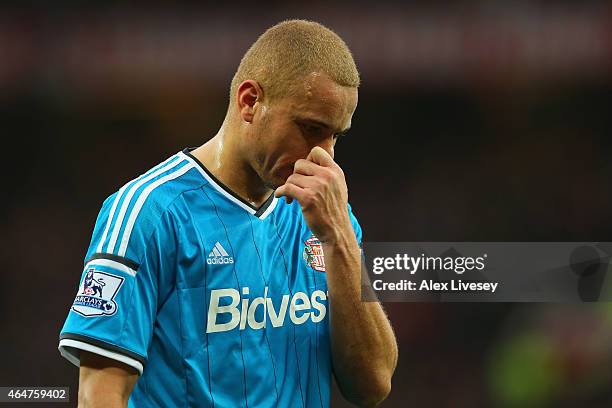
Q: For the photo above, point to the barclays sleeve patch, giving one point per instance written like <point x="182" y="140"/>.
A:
<point x="96" y="295"/>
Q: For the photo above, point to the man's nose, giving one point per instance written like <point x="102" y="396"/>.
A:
<point x="328" y="145"/>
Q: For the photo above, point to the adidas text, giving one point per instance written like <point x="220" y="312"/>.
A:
<point x="219" y="256"/>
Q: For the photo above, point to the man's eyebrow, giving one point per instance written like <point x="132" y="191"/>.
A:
<point x="344" y="132"/>
<point x="323" y="124"/>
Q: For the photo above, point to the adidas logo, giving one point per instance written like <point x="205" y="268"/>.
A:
<point x="219" y="255"/>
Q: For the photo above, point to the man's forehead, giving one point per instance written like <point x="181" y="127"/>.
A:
<point x="322" y="100"/>
<point x="320" y="86"/>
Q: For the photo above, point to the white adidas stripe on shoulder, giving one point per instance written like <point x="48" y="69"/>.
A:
<point x="128" y="198"/>
<point x="141" y="200"/>
<point x="120" y="194"/>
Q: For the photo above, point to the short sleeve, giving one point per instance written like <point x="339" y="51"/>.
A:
<point x="115" y="307"/>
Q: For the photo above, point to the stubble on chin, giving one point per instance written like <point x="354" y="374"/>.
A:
<point x="268" y="181"/>
<point x="272" y="185"/>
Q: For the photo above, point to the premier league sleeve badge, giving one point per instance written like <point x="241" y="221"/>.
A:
<point x="96" y="295"/>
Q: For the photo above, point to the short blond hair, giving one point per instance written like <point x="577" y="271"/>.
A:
<point x="291" y="50"/>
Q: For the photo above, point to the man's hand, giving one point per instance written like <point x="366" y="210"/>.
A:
<point x="318" y="184"/>
<point x="364" y="349"/>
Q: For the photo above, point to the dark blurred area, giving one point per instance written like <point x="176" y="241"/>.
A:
<point x="477" y="121"/>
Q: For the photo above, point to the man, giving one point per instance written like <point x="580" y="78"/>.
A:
<point x="232" y="271"/>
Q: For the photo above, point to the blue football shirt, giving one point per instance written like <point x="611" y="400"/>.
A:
<point x="213" y="301"/>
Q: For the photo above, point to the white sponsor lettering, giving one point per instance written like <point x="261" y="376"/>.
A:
<point x="301" y="308"/>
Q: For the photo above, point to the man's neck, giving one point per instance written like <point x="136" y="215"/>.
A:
<point x="222" y="159"/>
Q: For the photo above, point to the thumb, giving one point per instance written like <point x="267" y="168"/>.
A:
<point x="319" y="156"/>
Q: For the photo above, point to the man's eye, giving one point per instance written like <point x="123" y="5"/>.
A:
<point x="311" y="129"/>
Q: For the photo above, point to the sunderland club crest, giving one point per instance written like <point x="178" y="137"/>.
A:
<point x="313" y="254"/>
<point x="96" y="295"/>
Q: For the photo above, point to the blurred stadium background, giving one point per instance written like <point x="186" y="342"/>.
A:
<point x="477" y="121"/>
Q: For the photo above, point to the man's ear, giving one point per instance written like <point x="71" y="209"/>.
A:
<point x="249" y="93"/>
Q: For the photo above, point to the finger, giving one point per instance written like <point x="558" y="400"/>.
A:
<point x="290" y="191"/>
<point x="301" y="180"/>
<point x="319" y="156"/>
<point x="306" y="167"/>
